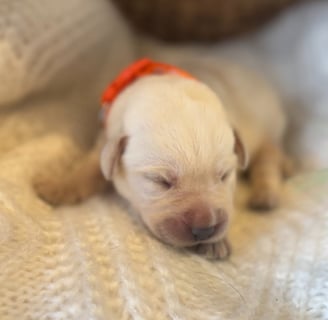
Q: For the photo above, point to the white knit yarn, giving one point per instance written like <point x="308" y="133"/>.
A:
<point x="95" y="260"/>
<point x="55" y="45"/>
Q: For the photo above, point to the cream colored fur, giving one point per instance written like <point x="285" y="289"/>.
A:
<point x="175" y="127"/>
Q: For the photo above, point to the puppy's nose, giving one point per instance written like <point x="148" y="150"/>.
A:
<point x="202" y="233"/>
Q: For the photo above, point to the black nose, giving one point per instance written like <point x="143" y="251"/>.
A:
<point x="202" y="233"/>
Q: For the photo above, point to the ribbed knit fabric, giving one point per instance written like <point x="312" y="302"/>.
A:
<point x="96" y="261"/>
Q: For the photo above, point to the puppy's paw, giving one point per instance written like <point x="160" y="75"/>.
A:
<point x="213" y="251"/>
<point x="264" y="200"/>
<point x="56" y="192"/>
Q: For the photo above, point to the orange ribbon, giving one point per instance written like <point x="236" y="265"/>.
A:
<point x="136" y="70"/>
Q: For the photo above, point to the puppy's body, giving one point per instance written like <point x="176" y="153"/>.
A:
<point x="254" y="108"/>
<point x="172" y="150"/>
<point x="250" y="102"/>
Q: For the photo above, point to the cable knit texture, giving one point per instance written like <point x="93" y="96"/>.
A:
<point x="96" y="261"/>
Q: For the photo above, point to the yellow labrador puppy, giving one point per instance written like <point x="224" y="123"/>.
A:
<point x="172" y="147"/>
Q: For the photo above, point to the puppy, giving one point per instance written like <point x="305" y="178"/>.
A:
<point x="172" y="147"/>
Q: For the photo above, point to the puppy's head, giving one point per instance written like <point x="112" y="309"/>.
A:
<point x="173" y="155"/>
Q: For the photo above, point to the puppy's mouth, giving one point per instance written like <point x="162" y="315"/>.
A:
<point x="177" y="233"/>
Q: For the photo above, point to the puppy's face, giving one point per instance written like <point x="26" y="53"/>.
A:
<point x="175" y="160"/>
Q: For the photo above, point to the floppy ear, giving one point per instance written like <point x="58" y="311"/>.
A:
<point x="240" y="151"/>
<point x="111" y="155"/>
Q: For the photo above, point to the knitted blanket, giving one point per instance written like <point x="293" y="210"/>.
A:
<point x="95" y="260"/>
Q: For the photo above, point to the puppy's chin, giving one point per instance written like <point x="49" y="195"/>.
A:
<point x="173" y="232"/>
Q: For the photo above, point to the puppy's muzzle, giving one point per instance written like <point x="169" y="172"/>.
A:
<point x="205" y="233"/>
<point x="196" y="225"/>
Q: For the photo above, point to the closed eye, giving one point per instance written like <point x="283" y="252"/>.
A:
<point x="160" y="181"/>
<point x="225" y="175"/>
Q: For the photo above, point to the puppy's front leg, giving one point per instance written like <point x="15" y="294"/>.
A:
<point x="268" y="169"/>
<point x="212" y="251"/>
<point x="83" y="181"/>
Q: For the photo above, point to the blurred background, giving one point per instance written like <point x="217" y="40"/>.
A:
<point x="193" y="20"/>
<point x="66" y="52"/>
<point x="284" y="40"/>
